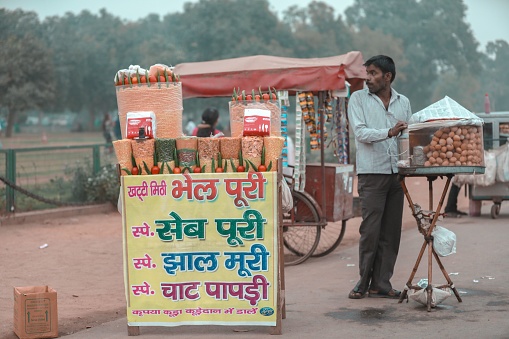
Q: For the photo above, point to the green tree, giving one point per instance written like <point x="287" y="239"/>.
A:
<point x="317" y="32"/>
<point x="87" y="51"/>
<point x="150" y="40"/>
<point x="18" y="23"/>
<point x="219" y="29"/>
<point x="463" y="88"/>
<point x="371" y="43"/>
<point x="26" y="72"/>
<point x="434" y="35"/>
<point x="156" y="42"/>
<point x="494" y="77"/>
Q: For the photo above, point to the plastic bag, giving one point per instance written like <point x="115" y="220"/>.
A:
<point x="502" y="156"/>
<point x="287" y="203"/>
<point x="444" y="241"/>
<point x="486" y="179"/>
<point x="437" y="296"/>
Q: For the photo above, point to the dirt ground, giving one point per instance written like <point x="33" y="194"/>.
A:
<point x="83" y="262"/>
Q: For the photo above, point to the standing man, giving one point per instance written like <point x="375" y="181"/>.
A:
<point x="377" y="115"/>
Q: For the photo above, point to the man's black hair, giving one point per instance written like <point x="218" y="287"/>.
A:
<point x="385" y="63"/>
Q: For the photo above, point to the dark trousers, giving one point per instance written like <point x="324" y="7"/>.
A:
<point x="452" y="199"/>
<point x="381" y="198"/>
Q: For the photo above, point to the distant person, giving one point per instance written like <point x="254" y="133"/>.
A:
<point x="107" y="128"/>
<point x="207" y="128"/>
<point x="3" y="126"/>
<point x="451" y="209"/>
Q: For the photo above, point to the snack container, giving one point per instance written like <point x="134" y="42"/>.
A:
<point x="164" y="99"/>
<point x="445" y="143"/>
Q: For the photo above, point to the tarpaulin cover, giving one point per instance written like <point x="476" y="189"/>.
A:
<point x="220" y="77"/>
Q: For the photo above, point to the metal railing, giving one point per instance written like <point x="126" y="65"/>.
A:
<point x="44" y="172"/>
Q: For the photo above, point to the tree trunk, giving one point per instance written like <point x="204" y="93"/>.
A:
<point x="91" y="121"/>
<point x="10" y="122"/>
<point x="41" y="116"/>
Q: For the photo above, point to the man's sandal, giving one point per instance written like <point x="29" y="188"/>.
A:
<point x="392" y="294"/>
<point x="356" y="294"/>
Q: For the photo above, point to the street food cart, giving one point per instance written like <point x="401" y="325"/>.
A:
<point x="203" y="247"/>
<point x="306" y="79"/>
<point x="496" y="133"/>
<point x="201" y="238"/>
<point x="443" y="140"/>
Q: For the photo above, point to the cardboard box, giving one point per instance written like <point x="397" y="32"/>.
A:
<point x="35" y="312"/>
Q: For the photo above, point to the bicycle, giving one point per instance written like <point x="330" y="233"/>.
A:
<point x="306" y="232"/>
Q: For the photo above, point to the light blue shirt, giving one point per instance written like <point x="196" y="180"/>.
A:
<point x="370" y="121"/>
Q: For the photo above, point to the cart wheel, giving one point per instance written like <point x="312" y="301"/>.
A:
<point x="495" y="210"/>
<point x="300" y="241"/>
<point x="330" y="238"/>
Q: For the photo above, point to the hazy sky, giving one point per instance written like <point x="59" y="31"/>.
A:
<point x="489" y="19"/>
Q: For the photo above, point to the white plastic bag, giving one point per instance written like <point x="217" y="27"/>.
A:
<point x="444" y="241"/>
<point x="287" y="203"/>
<point x="486" y="179"/>
<point x="502" y="155"/>
<point x="437" y="296"/>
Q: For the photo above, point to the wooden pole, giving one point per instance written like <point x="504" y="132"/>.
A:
<point x="280" y="302"/>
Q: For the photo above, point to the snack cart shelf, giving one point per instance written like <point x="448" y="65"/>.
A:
<point x="493" y="138"/>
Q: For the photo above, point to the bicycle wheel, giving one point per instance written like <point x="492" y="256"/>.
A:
<point x="330" y="238"/>
<point x="300" y="241"/>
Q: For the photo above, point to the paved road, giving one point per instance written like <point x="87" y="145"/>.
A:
<point x="317" y="304"/>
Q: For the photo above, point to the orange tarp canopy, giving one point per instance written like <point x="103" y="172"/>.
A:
<point x="220" y="77"/>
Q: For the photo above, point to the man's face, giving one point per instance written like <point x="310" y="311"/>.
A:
<point x="376" y="80"/>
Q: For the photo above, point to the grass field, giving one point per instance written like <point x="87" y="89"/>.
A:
<point x="46" y="166"/>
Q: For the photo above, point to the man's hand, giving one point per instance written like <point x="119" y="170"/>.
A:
<point x="396" y="129"/>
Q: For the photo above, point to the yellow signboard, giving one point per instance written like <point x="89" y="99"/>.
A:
<point x="200" y="249"/>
